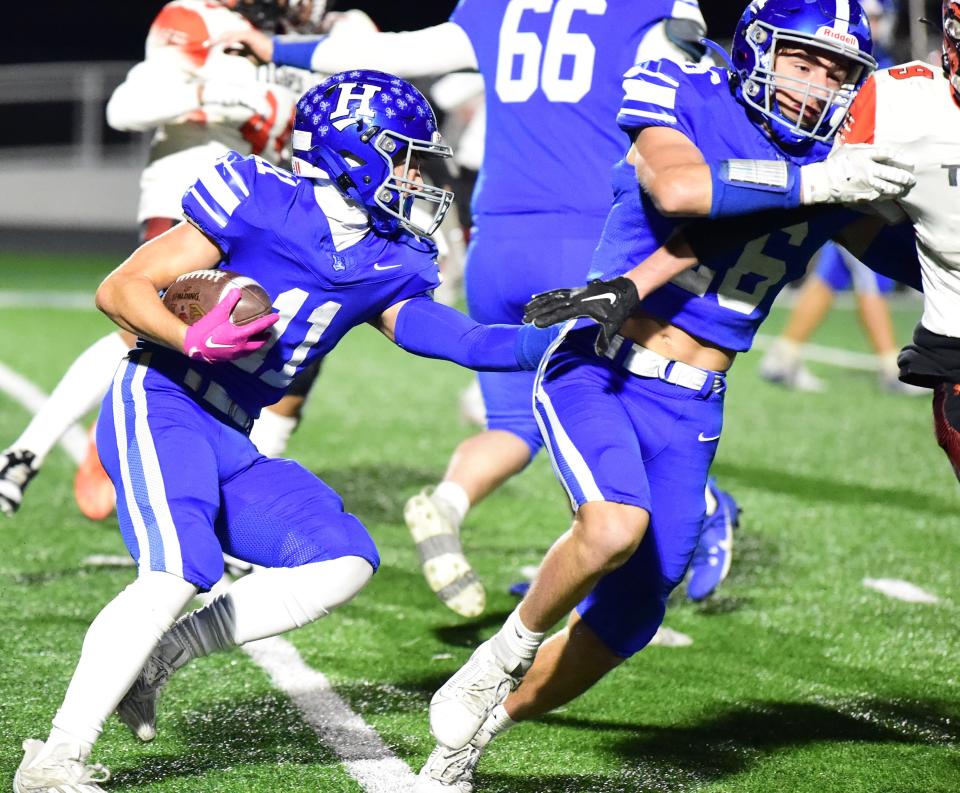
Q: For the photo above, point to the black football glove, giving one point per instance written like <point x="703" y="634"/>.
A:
<point x="608" y="303"/>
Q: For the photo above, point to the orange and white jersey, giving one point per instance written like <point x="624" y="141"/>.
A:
<point x="254" y="114"/>
<point x="910" y="108"/>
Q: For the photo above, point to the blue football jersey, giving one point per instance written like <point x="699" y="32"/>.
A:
<point x="724" y="299"/>
<point x="269" y="225"/>
<point x="552" y="85"/>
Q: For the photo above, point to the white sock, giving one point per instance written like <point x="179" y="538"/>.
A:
<point x="497" y="722"/>
<point x="271" y="432"/>
<point x="788" y="351"/>
<point x="454" y="497"/>
<point x="265" y="603"/>
<point x="117" y="644"/>
<point x="711" y="501"/>
<point x="888" y="365"/>
<point x="515" y="644"/>
<point x="79" y="391"/>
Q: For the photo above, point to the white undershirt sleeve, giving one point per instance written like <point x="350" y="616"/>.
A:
<point x="415" y="53"/>
<point x="151" y="94"/>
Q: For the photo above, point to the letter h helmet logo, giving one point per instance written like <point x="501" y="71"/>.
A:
<point x="343" y="115"/>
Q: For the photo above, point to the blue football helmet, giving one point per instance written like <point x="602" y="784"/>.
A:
<point x="355" y="128"/>
<point x="839" y="27"/>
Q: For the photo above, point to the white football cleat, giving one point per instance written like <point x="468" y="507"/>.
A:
<point x="448" y="770"/>
<point x="470" y="402"/>
<point x="56" y="774"/>
<point x="462" y="704"/>
<point x="17" y="468"/>
<point x="138" y="708"/>
<point x="451" y="770"/>
<point x="446" y="569"/>
<point x="793" y="375"/>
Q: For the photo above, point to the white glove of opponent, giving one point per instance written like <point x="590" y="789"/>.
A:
<point x="234" y="102"/>
<point x="856" y="173"/>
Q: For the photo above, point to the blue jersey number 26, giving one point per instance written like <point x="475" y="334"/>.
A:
<point x="540" y="65"/>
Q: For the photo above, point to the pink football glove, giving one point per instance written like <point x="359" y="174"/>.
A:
<point x="214" y="337"/>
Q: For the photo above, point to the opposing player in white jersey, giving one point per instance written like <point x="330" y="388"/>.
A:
<point x="552" y="78"/>
<point x="917" y="108"/>
<point x="203" y="103"/>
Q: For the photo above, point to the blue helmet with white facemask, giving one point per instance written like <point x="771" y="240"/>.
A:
<point x="355" y="128"/>
<point x="838" y="27"/>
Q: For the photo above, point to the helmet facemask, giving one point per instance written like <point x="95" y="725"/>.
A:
<point x="401" y="197"/>
<point x="761" y="84"/>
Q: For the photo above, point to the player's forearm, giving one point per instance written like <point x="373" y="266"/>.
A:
<point x="664" y="264"/>
<point x="132" y="302"/>
<point x="432" y="330"/>
<point x="703" y="241"/>
<point x="679" y="191"/>
<point x="416" y="53"/>
<point x="130" y="294"/>
<point x="889" y="250"/>
<point x="147" y="99"/>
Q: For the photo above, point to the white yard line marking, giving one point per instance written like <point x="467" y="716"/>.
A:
<point x="74" y="440"/>
<point x="12" y="298"/>
<point x="107" y="560"/>
<point x="363" y="753"/>
<point x="847" y="359"/>
<point x="361" y="750"/>
<point x="900" y="590"/>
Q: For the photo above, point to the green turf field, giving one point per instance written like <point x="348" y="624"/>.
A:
<point x="800" y="679"/>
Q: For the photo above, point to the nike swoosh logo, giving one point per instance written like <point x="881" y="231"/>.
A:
<point x="605" y="296"/>
<point x="705" y="439"/>
<point x="386" y="266"/>
<point x="213" y="345"/>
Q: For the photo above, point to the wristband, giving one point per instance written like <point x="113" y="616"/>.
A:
<point x="296" y="52"/>
<point x="742" y="187"/>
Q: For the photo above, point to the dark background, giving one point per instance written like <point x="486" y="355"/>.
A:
<point x="92" y="31"/>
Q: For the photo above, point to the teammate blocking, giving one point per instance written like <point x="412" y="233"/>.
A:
<point x="632" y="412"/>
<point x="335" y="245"/>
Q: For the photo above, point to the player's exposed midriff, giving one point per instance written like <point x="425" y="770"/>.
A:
<point x="675" y="343"/>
